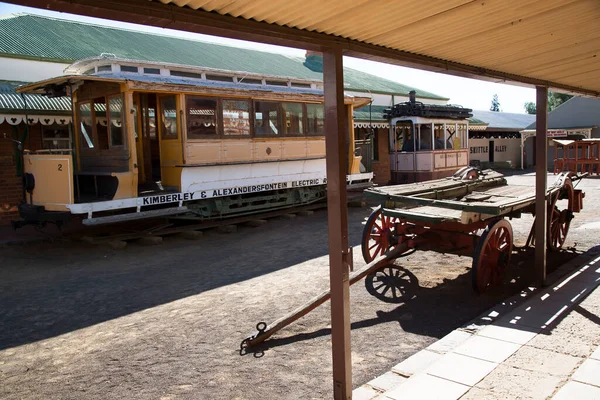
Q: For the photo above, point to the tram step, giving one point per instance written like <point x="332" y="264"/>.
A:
<point x="133" y="216"/>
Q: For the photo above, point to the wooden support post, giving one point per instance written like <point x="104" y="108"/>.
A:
<point x="337" y="221"/>
<point x="541" y="162"/>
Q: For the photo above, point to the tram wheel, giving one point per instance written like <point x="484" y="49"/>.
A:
<point x="492" y="255"/>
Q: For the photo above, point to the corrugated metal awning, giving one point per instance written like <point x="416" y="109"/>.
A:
<point x="551" y="43"/>
<point x="11" y="101"/>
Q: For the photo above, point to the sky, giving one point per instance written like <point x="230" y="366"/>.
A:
<point x="466" y="92"/>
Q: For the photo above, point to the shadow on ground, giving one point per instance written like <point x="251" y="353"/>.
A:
<point x="51" y="289"/>
<point x="434" y="311"/>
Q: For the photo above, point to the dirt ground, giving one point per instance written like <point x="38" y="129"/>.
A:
<point x="165" y="322"/>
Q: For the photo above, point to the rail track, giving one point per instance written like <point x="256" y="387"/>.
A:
<point x="129" y="231"/>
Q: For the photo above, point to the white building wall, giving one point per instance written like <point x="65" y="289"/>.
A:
<point x="505" y="150"/>
<point x="13" y="69"/>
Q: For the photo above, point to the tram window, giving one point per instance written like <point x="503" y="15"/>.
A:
<point x="86" y="125"/>
<point x="315" y="118"/>
<point x="219" y="78"/>
<point x="439" y="139"/>
<point x="101" y="123"/>
<point x="236" y="117"/>
<point x="301" y="85"/>
<point x="424" y="142"/>
<point x="250" y="81"/>
<point x="201" y="117"/>
<point x="276" y="83"/>
<point x="115" y="116"/>
<point x="185" y="74"/>
<point x="266" y="118"/>
<point x="452" y="138"/>
<point x="293" y="115"/>
<point x="404" y="137"/>
<point x="129" y="68"/>
<point x="168" y="117"/>
<point x="462" y="135"/>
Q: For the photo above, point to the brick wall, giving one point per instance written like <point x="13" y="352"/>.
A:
<point x="381" y="167"/>
<point x="11" y="189"/>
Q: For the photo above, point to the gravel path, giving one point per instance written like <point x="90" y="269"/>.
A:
<point x="165" y="322"/>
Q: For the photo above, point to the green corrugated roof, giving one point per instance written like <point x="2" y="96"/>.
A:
<point x="50" y="39"/>
<point x="476" y="121"/>
<point x="376" y="114"/>
<point x="11" y="101"/>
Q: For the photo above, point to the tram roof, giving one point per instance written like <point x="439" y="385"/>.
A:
<point x="165" y="82"/>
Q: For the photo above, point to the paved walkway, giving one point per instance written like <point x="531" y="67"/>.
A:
<point x="545" y="347"/>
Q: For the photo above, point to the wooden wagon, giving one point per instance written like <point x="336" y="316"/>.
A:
<point x="465" y="214"/>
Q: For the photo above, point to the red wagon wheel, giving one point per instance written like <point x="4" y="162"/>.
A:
<point x="560" y="220"/>
<point x="377" y="235"/>
<point x="492" y="255"/>
<point x="380" y="235"/>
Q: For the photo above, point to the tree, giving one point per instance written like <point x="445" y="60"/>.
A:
<point x="530" y="107"/>
<point x="495" y="103"/>
<point x="555" y="99"/>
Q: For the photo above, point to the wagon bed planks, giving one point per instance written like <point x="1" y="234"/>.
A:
<point x="437" y="185"/>
<point x="455" y="200"/>
<point x="429" y="214"/>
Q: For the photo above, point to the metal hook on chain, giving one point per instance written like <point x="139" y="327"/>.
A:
<point x="261" y="327"/>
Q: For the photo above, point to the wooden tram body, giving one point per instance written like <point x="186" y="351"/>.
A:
<point x="157" y="139"/>
<point x="466" y="215"/>
<point x="427" y="141"/>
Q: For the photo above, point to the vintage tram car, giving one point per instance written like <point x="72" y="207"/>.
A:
<point x="427" y="141"/>
<point x="156" y="139"/>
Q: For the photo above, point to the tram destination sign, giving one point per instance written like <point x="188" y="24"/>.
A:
<point x="228" y="191"/>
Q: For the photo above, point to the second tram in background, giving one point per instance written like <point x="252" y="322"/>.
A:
<point x="427" y="141"/>
<point x="168" y="140"/>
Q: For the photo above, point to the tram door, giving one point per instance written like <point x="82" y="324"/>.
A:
<point x="148" y="144"/>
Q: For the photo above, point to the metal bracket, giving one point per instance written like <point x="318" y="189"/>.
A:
<point x="348" y="258"/>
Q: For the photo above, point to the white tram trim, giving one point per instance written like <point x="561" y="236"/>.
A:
<point x="184" y="197"/>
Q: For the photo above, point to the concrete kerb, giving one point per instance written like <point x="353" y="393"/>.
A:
<point x="501" y="317"/>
